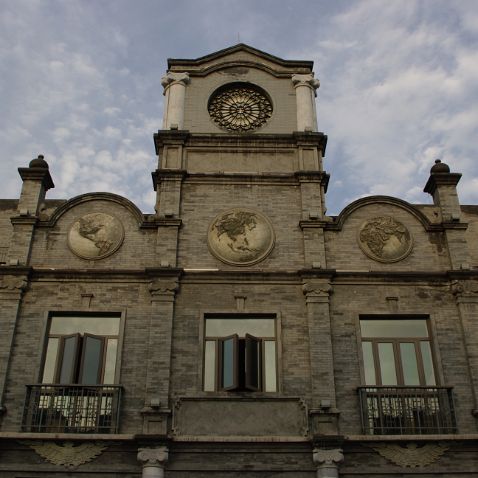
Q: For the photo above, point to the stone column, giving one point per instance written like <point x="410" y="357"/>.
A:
<point x="305" y="86"/>
<point x="327" y="462"/>
<point x="175" y="92"/>
<point x="12" y="288"/>
<point x="163" y="291"/>
<point x="154" y="460"/>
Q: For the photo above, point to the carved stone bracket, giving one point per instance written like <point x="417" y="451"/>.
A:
<point x="155" y="457"/>
<point x="411" y="456"/>
<point x="66" y="454"/>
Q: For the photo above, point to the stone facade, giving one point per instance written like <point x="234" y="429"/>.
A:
<point x="192" y="380"/>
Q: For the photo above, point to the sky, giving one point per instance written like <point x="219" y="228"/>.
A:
<point x="80" y="83"/>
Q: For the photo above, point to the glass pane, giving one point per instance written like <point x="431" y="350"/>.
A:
<point x="91" y="360"/>
<point x="427" y="363"/>
<point x="369" y="367"/>
<point x="85" y="324"/>
<point x="68" y="364"/>
<point x="270" y="371"/>
<point x="409" y="364"/>
<point x="110" y="361"/>
<point x="387" y="364"/>
<point x="50" y="360"/>
<point x="394" y="328"/>
<point x="210" y="366"/>
<point x="222" y="327"/>
<point x="253" y="362"/>
<point x="228" y="363"/>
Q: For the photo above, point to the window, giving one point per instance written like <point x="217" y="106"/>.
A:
<point x="81" y="350"/>
<point x="77" y="393"/>
<point x="397" y="352"/>
<point x="240" y="353"/>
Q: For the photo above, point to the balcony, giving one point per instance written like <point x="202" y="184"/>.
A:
<point x="72" y="408"/>
<point x="407" y="410"/>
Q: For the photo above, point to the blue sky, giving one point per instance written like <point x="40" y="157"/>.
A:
<point x="80" y="83"/>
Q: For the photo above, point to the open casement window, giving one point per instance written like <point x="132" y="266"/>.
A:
<point x="239" y="363"/>
<point x="236" y="360"/>
<point x="81" y="359"/>
<point x="81" y="350"/>
<point x="397" y="352"/>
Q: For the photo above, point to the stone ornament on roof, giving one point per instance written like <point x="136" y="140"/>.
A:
<point x="241" y="237"/>
<point x="240" y="107"/>
<point x="384" y="239"/>
<point x="95" y="236"/>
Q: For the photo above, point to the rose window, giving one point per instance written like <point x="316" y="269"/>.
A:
<point x="240" y="108"/>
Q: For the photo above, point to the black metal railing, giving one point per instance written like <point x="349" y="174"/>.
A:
<point x="52" y="408"/>
<point x="407" y="410"/>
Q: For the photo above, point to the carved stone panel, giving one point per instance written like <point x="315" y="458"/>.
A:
<point x="411" y="455"/>
<point x="241" y="237"/>
<point x="95" y="236"/>
<point x="240" y="417"/>
<point x="385" y="239"/>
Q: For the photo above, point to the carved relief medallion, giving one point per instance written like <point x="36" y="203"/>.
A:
<point x="241" y="237"/>
<point x="384" y="239"/>
<point x="95" y="236"/>
<point x="240" y="107"/>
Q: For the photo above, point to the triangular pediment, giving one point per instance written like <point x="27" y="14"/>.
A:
<point x="236" y="56"/>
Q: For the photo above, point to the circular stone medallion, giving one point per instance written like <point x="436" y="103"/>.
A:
<point x="384" y="239"/>
<point x="94" y="236"/>
<point x="241" y="237"/>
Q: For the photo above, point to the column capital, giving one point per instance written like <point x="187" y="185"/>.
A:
<point x="163" y="287"/>
<point x="305" y="80"/>
<point x="327" y="457"/>
<point x="157" y="457"/>
<point x="317" y="289"/>
<point x="171" y="78"/>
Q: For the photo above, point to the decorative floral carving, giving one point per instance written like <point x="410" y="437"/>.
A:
<point x="412" y="455"/>
<point x="67" y="454"/>
<point x="464" y="288"/>
<point x="385" y="239"/>
<point x="13" y="283"/>
<point x="240" y="108"/>
<point x="241" y="237"/>
<point x="95" y="236"/>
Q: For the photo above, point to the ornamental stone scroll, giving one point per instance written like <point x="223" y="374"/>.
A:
<point x="327" y="461"/>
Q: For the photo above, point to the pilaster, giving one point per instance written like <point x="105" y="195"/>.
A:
<point x="12" y="288"/>
<point x="175" y="92"/>
<point x="36" y="181"/>
<point x="323" y="412"/>
<point x="441" y="185"/>
<point x="466" y="296"/>
<point x="158" y="368"/>
<point x="154" y="461"/>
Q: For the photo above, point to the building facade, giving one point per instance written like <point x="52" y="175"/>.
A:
<point x="239" y="331"/>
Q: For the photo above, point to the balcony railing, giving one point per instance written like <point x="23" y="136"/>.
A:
<point x="407" y="410"/>
<point x="53" y="408"/>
